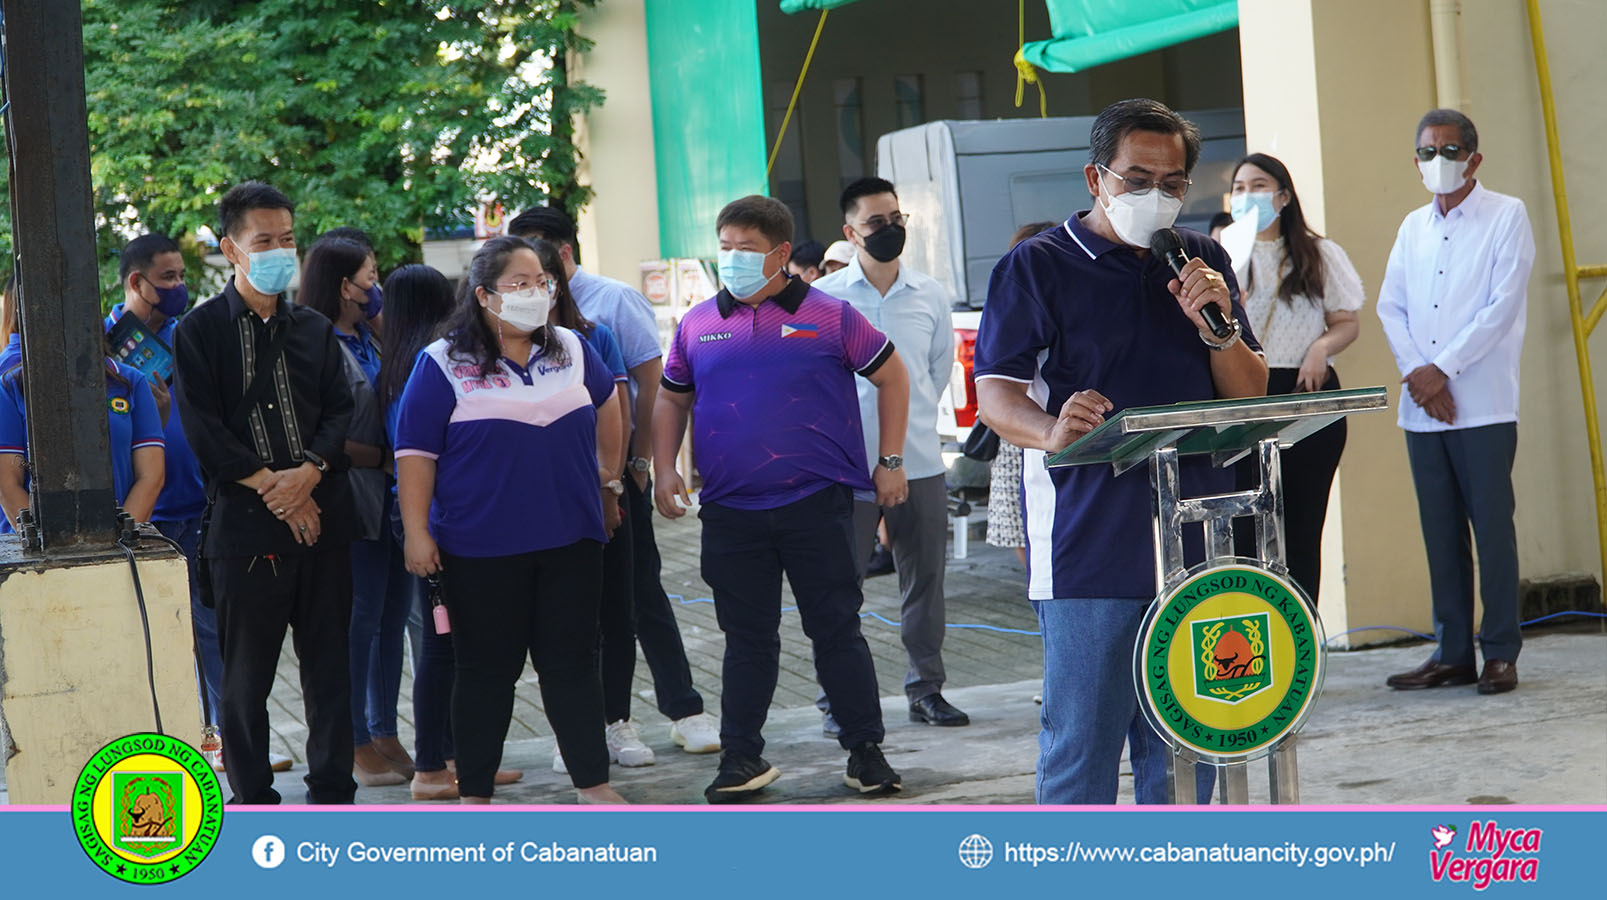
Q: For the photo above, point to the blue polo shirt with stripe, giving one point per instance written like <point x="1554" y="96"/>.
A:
<point x="1068" y="310"/>
<point x="131" y="414"/>
<point x="515" y="449"/>
<point x="183" y="492"/>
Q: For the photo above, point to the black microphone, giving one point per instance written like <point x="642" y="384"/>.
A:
<point x="1168" y="245"/>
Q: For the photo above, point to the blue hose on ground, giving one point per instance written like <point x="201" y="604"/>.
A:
<point x="1427" y="637"/>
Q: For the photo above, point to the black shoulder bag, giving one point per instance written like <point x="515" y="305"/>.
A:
<point x="982" y="444"/>
<point x="260" y="380"/>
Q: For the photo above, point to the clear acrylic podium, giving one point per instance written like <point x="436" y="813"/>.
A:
<point x="1227" y="431"/>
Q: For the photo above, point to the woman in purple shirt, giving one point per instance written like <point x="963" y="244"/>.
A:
<point x="507" y="399"/>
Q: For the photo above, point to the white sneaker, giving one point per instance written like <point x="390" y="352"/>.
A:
<point x="558" y="761"/>
<point x="625" y="745"/>
<point x="696" y="734"/>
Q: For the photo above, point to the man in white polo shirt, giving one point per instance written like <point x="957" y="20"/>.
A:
<point x="1453" y="303"/>
<point x="912" y="309"/>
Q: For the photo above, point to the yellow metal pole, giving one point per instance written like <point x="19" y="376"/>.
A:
<point x="796" y="90"/>
<point x="1571" y="273"/>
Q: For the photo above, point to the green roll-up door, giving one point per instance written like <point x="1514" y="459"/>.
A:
<point x="1090" y="33"/>
<point x="708" y="115"/>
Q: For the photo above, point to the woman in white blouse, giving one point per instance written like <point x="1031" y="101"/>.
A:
<point x="1301" y="295"/>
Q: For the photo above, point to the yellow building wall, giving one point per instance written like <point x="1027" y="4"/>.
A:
<point x="619" y="228"/>
<point x="1334" y="88"/>
<point x="72" y="667"/>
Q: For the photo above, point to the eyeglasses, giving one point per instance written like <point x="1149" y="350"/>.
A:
<point x="1449" y="151"/>
<point x="515" y="287"/>
<point x="1138" y="187"/>
<point x="877" y="223"/>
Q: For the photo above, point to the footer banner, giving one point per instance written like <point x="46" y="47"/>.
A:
<point x="146" y="832"/>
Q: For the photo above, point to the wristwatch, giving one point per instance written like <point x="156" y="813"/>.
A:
<point x="617" y="486"/>
<point x="318" y="462"/>
<point x="640" y="464"/>
<point x="891" y="463"/>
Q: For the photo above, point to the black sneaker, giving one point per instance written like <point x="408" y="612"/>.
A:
<point x="740" y="778"/>
<point x="868" y="771"/>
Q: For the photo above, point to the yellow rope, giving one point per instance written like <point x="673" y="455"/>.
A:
<point x="1025" y="72"/>
<point x="796" y="90"/>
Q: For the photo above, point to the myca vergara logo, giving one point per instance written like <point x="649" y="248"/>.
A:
<point x="1490" y="854"/>
<point x="1229" y="662"/>
<point x="147" y="808"/>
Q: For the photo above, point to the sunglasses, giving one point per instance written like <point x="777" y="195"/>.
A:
<point x="1449" y="151"/>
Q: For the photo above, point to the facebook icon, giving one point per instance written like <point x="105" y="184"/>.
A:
<point x="268" y="851"/>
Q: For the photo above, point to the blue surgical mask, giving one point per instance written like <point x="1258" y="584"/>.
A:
<point x="742" y="272"/>
<point x="375" y="302"/>
<point x="271" y="270"/>
<point x="1260" y="202"/>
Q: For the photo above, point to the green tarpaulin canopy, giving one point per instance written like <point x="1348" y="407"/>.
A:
<point x="1089" y="33"/>
<point x="796" y="6"/>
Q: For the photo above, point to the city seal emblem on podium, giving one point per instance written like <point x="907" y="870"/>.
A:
<point x="147" y="808"/>
<point x="1228" y="661"/>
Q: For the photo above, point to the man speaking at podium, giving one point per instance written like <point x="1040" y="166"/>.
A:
<point x="1083" y="320"/>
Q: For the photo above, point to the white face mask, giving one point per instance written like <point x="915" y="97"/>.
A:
<point x="1136" y="218"/>
<point x="525" y="310"/>
<point x="1443" y="176"/>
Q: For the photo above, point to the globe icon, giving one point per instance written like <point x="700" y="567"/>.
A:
<point x="976" y="852"/>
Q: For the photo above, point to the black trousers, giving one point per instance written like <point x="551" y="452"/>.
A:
<point x="656" y="627"/>
<point x="618" y="622"/>
<point x="544" y="604"/>
<point x="1308" y="476"/>
<point x="745" y="553"/>
<point x="257" y="598"/>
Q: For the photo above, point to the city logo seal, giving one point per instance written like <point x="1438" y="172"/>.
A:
<point x="147" y="808"/>
<point x="1230" y="657"/>
<point x="1228" y="662"/>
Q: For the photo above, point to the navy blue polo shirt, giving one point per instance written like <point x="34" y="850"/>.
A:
<point x="1067" y="311"/>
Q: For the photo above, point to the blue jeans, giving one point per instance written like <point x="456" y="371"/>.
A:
<point x="187" y="534"/>
<point x="433" y="675"/>
<point x="1090" y="707"/>
<point x="382" y="595"/>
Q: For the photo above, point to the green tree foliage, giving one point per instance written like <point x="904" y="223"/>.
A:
<point x="391" y="115"/>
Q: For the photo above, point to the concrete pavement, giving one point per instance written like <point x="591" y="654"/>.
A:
<point x="1545" y="743"/>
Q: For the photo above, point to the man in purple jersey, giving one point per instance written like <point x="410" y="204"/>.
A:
<point x="768" y="367"/>
<point x="1082" y="320"/>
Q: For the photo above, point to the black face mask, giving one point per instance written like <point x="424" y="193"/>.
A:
<point x="886" y="244"/>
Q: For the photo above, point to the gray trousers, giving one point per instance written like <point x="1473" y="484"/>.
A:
<point x="918" y="530"/>
<point x="1462" y="476"/>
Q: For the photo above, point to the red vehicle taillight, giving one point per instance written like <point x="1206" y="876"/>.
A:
<point x="965" y="353"/>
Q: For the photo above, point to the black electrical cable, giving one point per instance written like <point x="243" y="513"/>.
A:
<point x="145" y="623"/>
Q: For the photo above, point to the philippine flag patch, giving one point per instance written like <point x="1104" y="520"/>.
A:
<point x="799" y="330"/>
